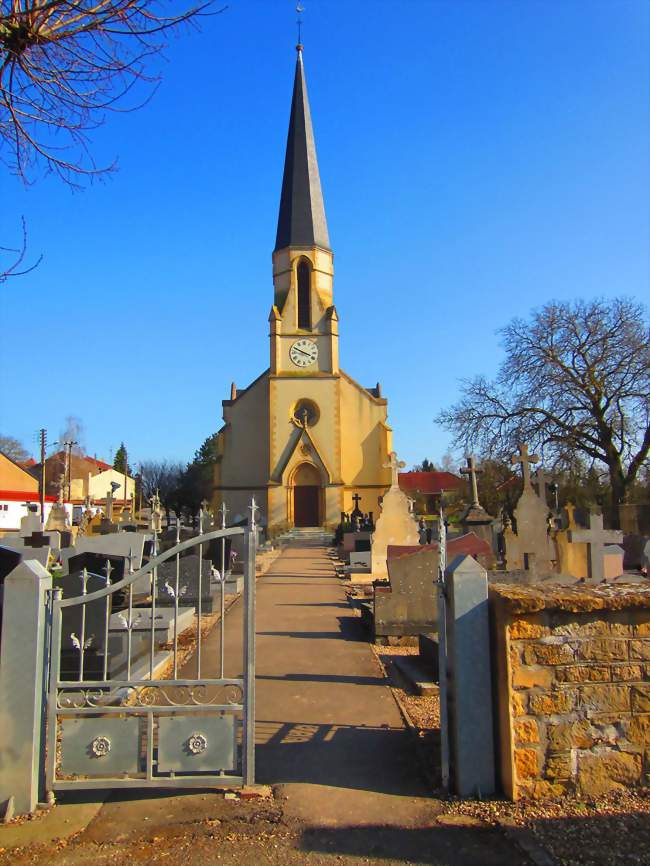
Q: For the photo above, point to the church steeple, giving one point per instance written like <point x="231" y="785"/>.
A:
<point x="301" y="221"/>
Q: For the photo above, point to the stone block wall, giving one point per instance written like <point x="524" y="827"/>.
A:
<point x="572" y="688"/>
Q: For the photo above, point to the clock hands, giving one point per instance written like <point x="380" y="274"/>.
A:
<point x="306" y="354"/>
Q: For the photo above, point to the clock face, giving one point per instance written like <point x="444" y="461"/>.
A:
<point x="303" y="353"/>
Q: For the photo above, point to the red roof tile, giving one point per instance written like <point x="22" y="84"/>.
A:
<point x="429" y="482"/>
<point x="468" y="544"/>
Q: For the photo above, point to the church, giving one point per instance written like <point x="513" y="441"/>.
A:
<point x="305" y="439"/>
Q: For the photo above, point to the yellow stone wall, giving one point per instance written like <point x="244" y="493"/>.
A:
<point x="573" y="690"/>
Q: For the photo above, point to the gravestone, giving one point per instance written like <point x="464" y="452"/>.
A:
<point x="31" y="522"/>
<point x="529" y="548"/>
<point x="71" y="586"/>
<point x="395" y="525"/>
<point x="188" y="583"/>
<point x="596" y="538"/>
<point x="407" y="605"/>
<point x="140" y="627"/>
<point x="58" y="518"/>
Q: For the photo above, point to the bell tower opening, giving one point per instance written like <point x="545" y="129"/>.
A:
<point x="304" y="295"/>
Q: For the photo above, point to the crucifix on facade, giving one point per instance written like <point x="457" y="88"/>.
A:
<point x="472" y="471"/>
<point x="394" y="465"/>
<point x="525" y="459"/>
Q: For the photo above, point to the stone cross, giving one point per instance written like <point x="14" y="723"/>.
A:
<point x="542" y="483"/>
<point x="472" y="471"/>
<point x="109" y="505"/>
<point x="597" y="537"/>
<point x="223" y="510"/>
<point x="394" y="465"/>
<point x="570" y="513"/>
<point x="525" y="459"/>
<point x="61" y="489"/>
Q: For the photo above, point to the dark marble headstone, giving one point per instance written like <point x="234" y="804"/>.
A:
<point x="71" y="621"/>
<point x="188" y="583"/>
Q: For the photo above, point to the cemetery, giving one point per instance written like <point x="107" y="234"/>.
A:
<point x="295" y="649"/>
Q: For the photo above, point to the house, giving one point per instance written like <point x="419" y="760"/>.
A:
<point x="17" y="488"/>
<point x="426" y="488"/>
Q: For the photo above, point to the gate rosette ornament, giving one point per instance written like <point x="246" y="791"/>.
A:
<point x="197" y="743"/>
<point x="100" y="747"/>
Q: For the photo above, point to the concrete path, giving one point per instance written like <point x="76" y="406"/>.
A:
<point x="329" y="732"/>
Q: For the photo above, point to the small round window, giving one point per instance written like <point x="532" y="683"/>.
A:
<point x="305" y="413"/>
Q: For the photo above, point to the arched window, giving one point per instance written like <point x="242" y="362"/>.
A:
<point x="304" y="295"/>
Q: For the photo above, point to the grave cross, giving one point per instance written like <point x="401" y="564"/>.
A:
<point x="542" y="484"/>
<point x="223" y="510"/>
<point x="253" y="508"/>
<point x="472" y="471"/>
<point x="597" y="537"/>
<point x="356" y="499"/>
<point x="525" y="459"/>
<point x="37" y="539"/>
<point x="394" y="465"/>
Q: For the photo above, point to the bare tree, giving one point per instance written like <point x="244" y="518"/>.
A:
<point x="13" y="449"/>
<point x="73" y="432"/>
<point x="63" y="65"/>
<point x="575" y="380"/>
<point x="163" y="476"/>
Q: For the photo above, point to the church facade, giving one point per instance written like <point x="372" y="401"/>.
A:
<point x="304" y="438"/>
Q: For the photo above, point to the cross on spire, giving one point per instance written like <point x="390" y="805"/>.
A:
<point x="525" y="459"/>
<point x="299" y="9"/>
<point x="394" y="465"/>
<point x="472" y="471"/>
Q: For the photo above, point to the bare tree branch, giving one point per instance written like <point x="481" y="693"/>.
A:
<point x="14" y="268"/>
<point x="63" y="64"/>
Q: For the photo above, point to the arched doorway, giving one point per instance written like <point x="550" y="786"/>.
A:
<point x="306" y="496"/>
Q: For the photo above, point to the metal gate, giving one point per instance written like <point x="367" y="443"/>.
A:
<point x="160" y="722"/>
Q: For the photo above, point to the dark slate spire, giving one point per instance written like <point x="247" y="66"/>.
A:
<point x="301" y="221"/>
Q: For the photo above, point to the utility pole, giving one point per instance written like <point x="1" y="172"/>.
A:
<point x="126" y="478"/>
<point x="68" y="469"/>
<point x="43" y="437"/>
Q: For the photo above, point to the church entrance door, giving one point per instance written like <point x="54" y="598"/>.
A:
<point x="306" y="496"/>
<point x="305" y="505"/>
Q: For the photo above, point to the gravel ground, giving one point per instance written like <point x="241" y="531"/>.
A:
<point x="605" y="831"/>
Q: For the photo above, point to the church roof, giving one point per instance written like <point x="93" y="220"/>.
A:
<point x="301" y="221"/>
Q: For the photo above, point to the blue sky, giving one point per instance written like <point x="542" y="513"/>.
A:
<point x="477" y="159"/>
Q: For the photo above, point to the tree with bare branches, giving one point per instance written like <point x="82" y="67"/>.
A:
<point x="63" y="65"/>
<point x="575" y="381"/>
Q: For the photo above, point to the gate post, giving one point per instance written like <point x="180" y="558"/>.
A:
<point x="248" y="758"/>
<point x="470" y="682"/>
<point x="23" y="685"/>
